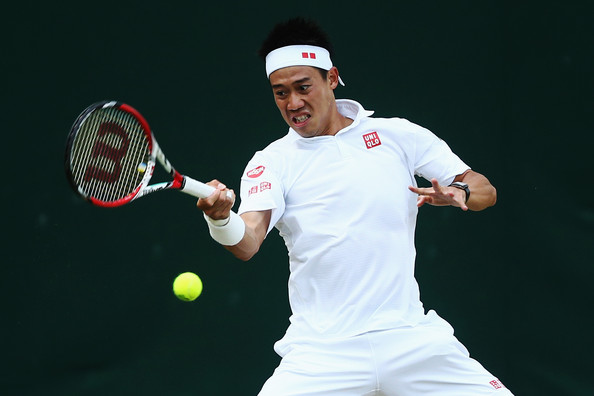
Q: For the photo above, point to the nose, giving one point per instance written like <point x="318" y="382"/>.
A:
<point x="295" y="102"/>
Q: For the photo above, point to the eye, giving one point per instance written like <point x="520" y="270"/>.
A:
<point x="304" y="87"/>
<point x="280" y="94"/>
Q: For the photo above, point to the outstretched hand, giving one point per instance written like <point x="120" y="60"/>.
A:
<point x="440" y="195"/>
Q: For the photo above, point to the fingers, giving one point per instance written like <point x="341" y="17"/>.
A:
<point x="218" y="205"/>
<point x="435" y="189"/>
<point x="461" y="201"/>
<point x="421" y="191"/>
<point x="436" y="186"/>
<point x="438" y="195"/>
<point x="422" y="200"/>
<point x="455" y="199"/>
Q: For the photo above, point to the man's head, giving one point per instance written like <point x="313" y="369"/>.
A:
<point x="302" y="77"/>
<point x="297" y="31"/>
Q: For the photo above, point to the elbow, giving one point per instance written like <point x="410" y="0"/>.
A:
<point x="493" y="196"/>
<point x="243" y="255"/>
<point x="490" y="199"/>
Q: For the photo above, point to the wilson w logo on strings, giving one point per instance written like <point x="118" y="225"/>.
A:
<point x="102" y="150"/>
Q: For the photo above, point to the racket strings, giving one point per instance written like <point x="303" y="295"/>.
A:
<point x="110" y="156"/>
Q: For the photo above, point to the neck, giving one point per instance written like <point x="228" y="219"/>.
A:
<point x="344" y="122"/>
<point x="340" y="122"/>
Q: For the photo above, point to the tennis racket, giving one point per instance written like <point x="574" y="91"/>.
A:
<point x="111" y="154"/>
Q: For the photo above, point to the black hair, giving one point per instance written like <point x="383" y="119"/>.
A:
<point x="296" y="31"/>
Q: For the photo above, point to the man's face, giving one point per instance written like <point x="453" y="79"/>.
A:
<point x="306" y="101"/>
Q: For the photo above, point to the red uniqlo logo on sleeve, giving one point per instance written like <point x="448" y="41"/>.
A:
<point x="371" y="140"/>
<point x="265" y="186"/>
<point x="253" y="190"/>
<point x="256" y="172"/>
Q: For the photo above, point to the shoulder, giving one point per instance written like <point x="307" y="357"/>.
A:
<point x="396" y="124"/>
<point x="400" y="131"/>
<point x="278" y="148"/>
<point x="272" y="156"/>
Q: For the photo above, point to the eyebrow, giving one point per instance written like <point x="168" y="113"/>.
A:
<point x="301" y="81"/>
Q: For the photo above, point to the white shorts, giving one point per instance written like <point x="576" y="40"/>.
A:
<point x="423" y="360"/>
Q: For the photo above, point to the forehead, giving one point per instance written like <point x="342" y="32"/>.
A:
<point x="292" y="74"/>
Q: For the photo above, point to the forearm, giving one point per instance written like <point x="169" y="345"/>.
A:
<point x="256" y="227"/>
<point x="241" y="235"/>
<point x="247" y="247"/>
<point x="482" y="192"/>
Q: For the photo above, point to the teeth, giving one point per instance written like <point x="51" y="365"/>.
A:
<point x="301" y="118"/>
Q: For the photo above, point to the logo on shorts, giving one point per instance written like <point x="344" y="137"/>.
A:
<point x="256" y="172"/>
<point x="371" y="140"/>
<point x="497" y="384"/>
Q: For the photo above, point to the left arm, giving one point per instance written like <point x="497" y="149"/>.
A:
<point x="482" y="193"/>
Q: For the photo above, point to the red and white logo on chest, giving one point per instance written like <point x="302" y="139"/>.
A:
<point x="371" y="140"/>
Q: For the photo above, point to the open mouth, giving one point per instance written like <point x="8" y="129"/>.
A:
<point x="301" y="119"/>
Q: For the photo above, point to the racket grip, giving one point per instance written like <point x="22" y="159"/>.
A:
<point x="199" y="189"/>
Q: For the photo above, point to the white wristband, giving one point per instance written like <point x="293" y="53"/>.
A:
<point x="227" y="232"/>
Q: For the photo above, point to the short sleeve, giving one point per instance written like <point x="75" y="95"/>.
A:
<point x="261" y="189"/>
<point x="435" y="159"/>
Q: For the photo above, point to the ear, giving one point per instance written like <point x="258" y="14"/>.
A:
<point x="333" y="77"/>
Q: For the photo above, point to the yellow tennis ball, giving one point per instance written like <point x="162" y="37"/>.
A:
<point x="187" y="286"/>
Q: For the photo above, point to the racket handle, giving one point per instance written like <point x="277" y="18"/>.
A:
<point x="198" y="189"/>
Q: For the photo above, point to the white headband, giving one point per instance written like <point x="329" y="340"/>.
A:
<point x="298" y="55"/>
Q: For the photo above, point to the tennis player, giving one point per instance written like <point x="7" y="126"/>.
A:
<point x="340" y="188"/>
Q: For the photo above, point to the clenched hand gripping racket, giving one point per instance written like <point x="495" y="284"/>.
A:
<point x="110" y="157"/>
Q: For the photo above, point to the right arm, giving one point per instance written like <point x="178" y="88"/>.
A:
<point x="218" y="207"/>
<point x="256" y="226"/>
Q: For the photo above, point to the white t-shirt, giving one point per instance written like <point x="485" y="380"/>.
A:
<point x="342" y="205"/>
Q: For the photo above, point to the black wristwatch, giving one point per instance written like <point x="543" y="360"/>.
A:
<point x="462" y="186"/>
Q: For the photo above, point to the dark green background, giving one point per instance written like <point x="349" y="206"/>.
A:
<point x="87" y="307"/>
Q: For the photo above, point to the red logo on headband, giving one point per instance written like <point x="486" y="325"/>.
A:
<point x="311" y="55"/>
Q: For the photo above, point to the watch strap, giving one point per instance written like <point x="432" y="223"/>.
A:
<point x="462" y="186"/>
